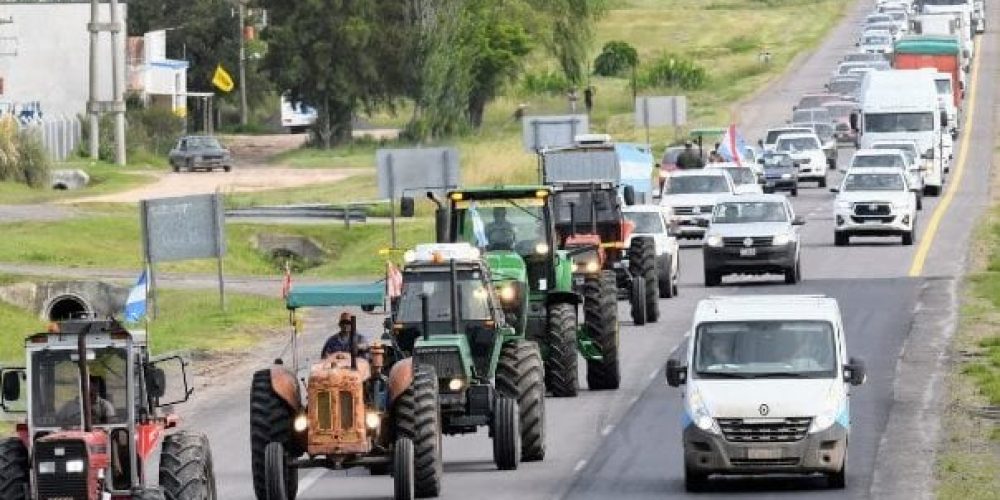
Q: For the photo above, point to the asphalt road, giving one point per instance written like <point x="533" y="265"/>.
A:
<point x="626" y="443"/>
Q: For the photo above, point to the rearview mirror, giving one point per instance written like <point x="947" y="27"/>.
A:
<point x="157" y="372"/>
<point x="676" y="373"/>
<point x="407" y="207"/>
<point x="854" y="372"/>
<point x="156" y="382"/>
<point x="798" y="221"/>
<point x="629" y="194"/>
<point x="12" y="385"/>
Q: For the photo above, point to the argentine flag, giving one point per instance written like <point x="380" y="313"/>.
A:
<point x="135" y="305"/>
<point x="733" y="145"/>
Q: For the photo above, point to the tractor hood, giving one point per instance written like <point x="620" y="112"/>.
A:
<point x="506" y="266"/>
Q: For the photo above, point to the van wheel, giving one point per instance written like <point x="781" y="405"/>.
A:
<point x="838" y="480"/>
<point x="841" y="239"/>
<point x="694" y="482"/>
<point x="822" y="181"/>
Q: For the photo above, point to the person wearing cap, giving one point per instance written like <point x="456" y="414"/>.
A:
<point x="688" y="159"/>
<point x="341" y="341"/>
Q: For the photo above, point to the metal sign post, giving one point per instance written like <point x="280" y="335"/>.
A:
<point x="399" y="170"/>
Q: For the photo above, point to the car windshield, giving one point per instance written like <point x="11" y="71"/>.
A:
<point x="908" y="148"/>
<point x="778" y="160"/>
<point x="473" y="296"/>
<point x="694" y="184"/>
<point x="823" y="130"/>
<point x="748" y="212"/>
<point x="887" y="161"/>
<point x="899" y="122"/>
<point x="55" y="387"/>
<point x="203" y="143"/>
<point x="793" y="144"/>
<point x="772" y="349"/>
<point x="874" y="182"/>
<point x="646" y="222"/>
<point x="502" y="224"/>
<point x="741" y="175"/>
<point x="811" y="115"/>
<point x="943" y="87"/>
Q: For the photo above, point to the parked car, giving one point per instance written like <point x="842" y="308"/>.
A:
<point x="197" y="152"/>
<point x="654" y="221"/>
<point x="752" y="235"/>
<point x="874" y="202"/>
<point x="781" y="173"/>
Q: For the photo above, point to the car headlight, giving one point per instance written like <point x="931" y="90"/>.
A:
<point x="829" y="413"/>
<point x="786" y="176"/>
<point x="700" y="415"/>
<point x="593" y="266"/>
<point x="782" y="239"/>
<point x="372" y="420"/>
<point x="714" y="241"/>
<point x="74" y="466"/>
<point x="844" y="205"/>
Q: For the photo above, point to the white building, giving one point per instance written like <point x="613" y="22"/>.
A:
<point x="45" y="56"/>
<point x="158" y="80"/>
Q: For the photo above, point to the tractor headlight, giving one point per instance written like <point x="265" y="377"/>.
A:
<point x="46" y="467"/>
<point x="575" y="267"/>
<point x="372" y="420"/>
<point x="593" y="267"/>
<point x="74" y="466"/>
<point x="714" y="241"/>
<point x="541" y="249"/>
<point x="301" y="423"/>
<point x="455" y="384"/>
<point x="507" y="293"/>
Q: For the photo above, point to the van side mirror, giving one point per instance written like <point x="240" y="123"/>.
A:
<point x="676" y="373"/>
<point x="629" y="194"/>
<point x="407" y="207"/>
<point x="798" y="221"/>
<point x="853" y="119"/>
<point x="854" y="372"/>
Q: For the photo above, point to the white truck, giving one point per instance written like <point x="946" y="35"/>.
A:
<point x="947" y="24"/>
<point x="296" y="118"/>
<point x="766" y="388"/>
<point x="903" y="104"/>
<point x="972" y="15"/>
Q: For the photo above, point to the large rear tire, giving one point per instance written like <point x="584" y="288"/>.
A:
<point x="403" y="470"/>
<point x="506" y="433"/>
<point x="560" y="341"/>
<point x="14" y="469"/>
<point x="418" y="417"/>
<point x="642" y="264"/>
<point x="600" y="311"/>
<point x="149" y="494"/>
<point x="520" y="375"/>
<point x="186" y="471"/>
<point x="270" y="422"/>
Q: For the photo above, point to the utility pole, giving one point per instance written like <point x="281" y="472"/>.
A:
<point x="243" y="62"/>
<point x="117" y="80"/>
<point x="92" y="100"/>
<point x="117" y="104"/>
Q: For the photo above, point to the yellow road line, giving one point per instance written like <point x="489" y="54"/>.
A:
<point x="927" y="240"/>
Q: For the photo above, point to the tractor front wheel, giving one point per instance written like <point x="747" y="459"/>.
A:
<point x="637" y="294"/>
<point x="186" y="471"/>
<point x="402" y="469"/>
<point x="560" y="341"/>
<point x="600" y="311"/>
<point x="276" y="472"/>
<point x="270" y="422"/>
<point x="506" y="433"/>
<point x="520" y="375"/>
<point x="14" y="469"/>
<point x="642" y="266"/>
<point x="149" y="494"/>
<point x="418" y="418"/>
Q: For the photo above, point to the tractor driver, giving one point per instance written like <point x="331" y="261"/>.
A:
<point x="102" y="411"/>
<point x="341" y="341"/>
<point x="500" y="233"/>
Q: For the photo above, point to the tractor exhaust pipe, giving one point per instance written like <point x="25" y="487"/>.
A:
<point x="354" y="342"/>
<point x="455" y="324"/>
<point x="81" y="349"/>
<point x="425" y="315"/>
<point x="572" y="219"/>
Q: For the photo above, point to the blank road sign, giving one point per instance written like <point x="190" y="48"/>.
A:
<point x="543" y="132"/>
<point x="659" y="111"/>
<point x="426" y="169"/>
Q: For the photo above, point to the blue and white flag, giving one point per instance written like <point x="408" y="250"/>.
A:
<point x="478" y="228"/>
<point x="135" y="305"/>
<point x="733" y="145"/>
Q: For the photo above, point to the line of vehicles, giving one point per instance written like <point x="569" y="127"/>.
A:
<point x="518" y="283"/>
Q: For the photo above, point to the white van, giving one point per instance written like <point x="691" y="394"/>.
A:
<point x="903" y="104"/>
<point x="766" y="388"/>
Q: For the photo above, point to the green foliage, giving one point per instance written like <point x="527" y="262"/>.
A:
<point x="742" y="44"/>
<point x="543" y="82"/>
<point x="615" y="59"/>
<point x="23" y="158"/>
<point x="670" y="70"/>
<point x="148" y="131"/>
<point x="570" y="32"/>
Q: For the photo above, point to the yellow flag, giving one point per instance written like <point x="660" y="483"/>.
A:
<point x="222" y="80"/>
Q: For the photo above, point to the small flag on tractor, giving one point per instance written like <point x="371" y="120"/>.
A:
<point x="286" y="284"/>
<point x="393" y="281"/>
<point x="135" y="304"/>
<point x="222" y="80"/>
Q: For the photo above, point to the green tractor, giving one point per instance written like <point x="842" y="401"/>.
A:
<point x="536" y="280"/>
<point x="449" y="316"/>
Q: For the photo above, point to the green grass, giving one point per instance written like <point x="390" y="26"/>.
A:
<point x="104" y="178"/>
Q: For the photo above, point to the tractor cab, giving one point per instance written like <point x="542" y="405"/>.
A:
<point x="590" y="224"/>
<point x="91" y="401"/>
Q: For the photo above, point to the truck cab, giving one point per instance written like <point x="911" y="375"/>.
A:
<point x="766" y="388"/>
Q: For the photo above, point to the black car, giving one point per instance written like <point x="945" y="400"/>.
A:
<point x="781" y="173"/>
<point x="196" y="152"/>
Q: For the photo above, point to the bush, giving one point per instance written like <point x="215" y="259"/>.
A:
<point x="615" y="59"/>
<point x="545" y="82"/>
<point x="673" y="71"/>
<point x="149" y="130"/>
<point x="23" y="158"/>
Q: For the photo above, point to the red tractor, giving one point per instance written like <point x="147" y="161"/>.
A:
<point x="94" y="427"/>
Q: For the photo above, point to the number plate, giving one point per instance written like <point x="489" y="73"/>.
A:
<point x="748" y="252"/>
<point x="763" y="453"/>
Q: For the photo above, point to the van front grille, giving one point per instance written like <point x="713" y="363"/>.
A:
<point x="751" y="430"/>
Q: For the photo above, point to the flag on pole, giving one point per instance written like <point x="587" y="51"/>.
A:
<point x="222" y="80"/>
<point x="393" y="280"/>
<point x="733" y="145"/>
<point x="135" y="305"/>
<point x="478" y="227"/>
<point x="286" y="284"/>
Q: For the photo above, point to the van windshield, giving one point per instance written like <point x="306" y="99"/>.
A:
<point x="899" y="122"/>
<point x="765" y="349"/>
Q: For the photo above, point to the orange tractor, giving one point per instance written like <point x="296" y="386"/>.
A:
<point x="94" y="426"/>
<point x="366" y="408"/>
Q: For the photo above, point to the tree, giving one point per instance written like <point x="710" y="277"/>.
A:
<point x="570" y="31"/>
<point x="615" y="58"/>
<point x="498" y="44"/>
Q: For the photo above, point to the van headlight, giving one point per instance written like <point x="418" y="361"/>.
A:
<point x="700" y="415"/>
<point x="828" y="416"/>
<point x="714" y="241"/>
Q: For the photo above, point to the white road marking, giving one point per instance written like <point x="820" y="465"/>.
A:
<point x="652" y="374"/>
<point x="580" y="465"/>
<point x="310" y="479"/>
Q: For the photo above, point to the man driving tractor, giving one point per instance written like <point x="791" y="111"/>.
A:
<point x="341" y="341"/>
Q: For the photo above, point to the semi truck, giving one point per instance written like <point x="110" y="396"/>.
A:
<point x="595" y="157"/>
